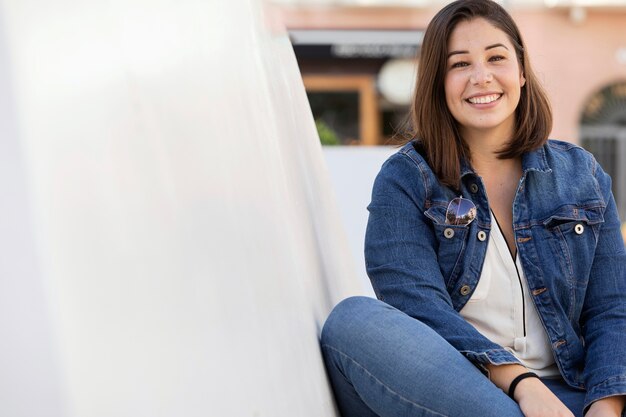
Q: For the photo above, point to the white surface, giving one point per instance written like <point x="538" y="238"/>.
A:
<point x="170" y="243"/>
<point x="30" y="377"/>
<point x="353" y="170"/>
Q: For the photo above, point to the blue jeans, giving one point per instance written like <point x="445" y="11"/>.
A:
<point x="383" y="363"/>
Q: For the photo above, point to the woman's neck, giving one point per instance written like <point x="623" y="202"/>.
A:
<point x="486" y="143"/>
<point x="484" y="148"/>
<point x="487" y="164"/>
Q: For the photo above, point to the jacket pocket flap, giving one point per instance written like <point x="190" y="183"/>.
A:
<point x="437" y="214"/>
<point x="571" y="213"/>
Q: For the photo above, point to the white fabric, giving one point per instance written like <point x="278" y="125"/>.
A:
<point x="498" y="308"/>
<point x="170" y="243"/>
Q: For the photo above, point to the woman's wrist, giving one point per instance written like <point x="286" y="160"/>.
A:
<point x="519" y="379"/>
<point x="503" y="375"/>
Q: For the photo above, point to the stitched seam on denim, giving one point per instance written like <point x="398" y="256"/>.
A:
<point x="497" y="353"/>
<point x="544" y="161"/>
<point x="596" y="184"/>
<point x="475" y="258"/>
<point x="588" y="404"/>
<point x="562" y="145"/>
<point x="381" y="383"/>
<point x="455" y="271"/>
<point x="418" y="162"/>
<point x="594" y="169"/>
<point x="608" y="381"/>
<point x="463" y="231"/>
<point x="589" y="156"/>
<point x="592" y="392"/>
<point x="595" y="165"/>
<point x="595" y="228"/>
<point x="565" y="250"/>
<point x="493" y="351"/>
<point x="424" y="175"/>
<point x="543" y="222"/>
<point x="570" y="269"/>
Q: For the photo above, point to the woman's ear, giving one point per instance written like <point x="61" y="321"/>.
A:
<point x="522" y="80"/>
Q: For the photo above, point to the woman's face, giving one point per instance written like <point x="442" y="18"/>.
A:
<point x="483" y="79"/>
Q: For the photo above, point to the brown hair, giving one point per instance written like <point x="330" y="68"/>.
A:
<point x="432" y="122"/>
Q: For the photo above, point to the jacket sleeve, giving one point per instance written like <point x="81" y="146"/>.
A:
<point x="401" y="261"/>
<point x="603" y="318"/>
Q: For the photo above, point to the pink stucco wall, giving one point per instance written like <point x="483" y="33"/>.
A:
<point x="574" y="60"/>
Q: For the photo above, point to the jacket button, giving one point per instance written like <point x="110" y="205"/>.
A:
<point x="579" y="229"/>
<point x="474" y="188"/>
<point x="448" y="233"/>
<point x="465" y="289"/>
<point x="482" y="236"/>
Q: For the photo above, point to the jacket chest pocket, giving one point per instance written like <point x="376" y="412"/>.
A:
<point x="451" y="241"/>
<point x="573" y="233"/>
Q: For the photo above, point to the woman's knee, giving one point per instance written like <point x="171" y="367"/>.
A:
<point x="346" y="319"/>
<point x="358" y="322"/>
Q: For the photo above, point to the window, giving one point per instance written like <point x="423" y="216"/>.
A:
<point x="348" y="105"/>
<point x="603" y="133"/>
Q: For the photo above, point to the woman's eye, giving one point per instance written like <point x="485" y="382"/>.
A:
<point x="496" y="58"/>
<point x="459" y="64"/>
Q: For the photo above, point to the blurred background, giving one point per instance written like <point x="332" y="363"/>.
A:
<point x="358" y="58"/>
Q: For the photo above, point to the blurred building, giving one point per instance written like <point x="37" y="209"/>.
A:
<point x="357" y="59"/>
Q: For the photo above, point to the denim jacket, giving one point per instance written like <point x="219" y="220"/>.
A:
<point x="568" y="238"/>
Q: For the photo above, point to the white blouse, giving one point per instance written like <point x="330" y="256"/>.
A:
<point x="501" y="310"/>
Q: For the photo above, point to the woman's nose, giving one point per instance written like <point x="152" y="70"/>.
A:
<point x="480" y="75"/>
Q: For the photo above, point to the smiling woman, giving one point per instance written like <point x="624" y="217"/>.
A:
<point x="495" y="253"/>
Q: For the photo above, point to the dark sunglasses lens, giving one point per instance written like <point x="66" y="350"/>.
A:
<point x="461" y="211"/>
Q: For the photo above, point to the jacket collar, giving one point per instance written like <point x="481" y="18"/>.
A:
<point x="536" y="161"/>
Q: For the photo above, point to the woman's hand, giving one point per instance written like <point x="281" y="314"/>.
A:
<point x="607" y="407"/>
<point x="533" y="397"/>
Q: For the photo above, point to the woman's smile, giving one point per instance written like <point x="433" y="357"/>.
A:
<point x="484" y="98"/>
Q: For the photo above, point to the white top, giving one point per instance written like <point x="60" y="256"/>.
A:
<point x="501" y="310"/>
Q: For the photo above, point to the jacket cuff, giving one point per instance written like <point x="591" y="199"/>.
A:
<point x="490" y="357"/>
<point x="608" y="388"/>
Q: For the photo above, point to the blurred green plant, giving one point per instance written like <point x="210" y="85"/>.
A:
<point x="328" y="137"/>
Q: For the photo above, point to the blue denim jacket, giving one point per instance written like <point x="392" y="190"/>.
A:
<point x="576" y="275"/>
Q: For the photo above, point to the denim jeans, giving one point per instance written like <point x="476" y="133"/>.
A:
<point x="381" y="362"/>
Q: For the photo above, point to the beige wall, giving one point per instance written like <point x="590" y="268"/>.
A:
<point x="574" y="60"/>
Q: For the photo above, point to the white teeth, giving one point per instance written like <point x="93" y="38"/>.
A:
<point x="484" y="99"/>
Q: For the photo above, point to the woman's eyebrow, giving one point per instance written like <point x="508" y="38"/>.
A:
<point x="457" y="53"/>
<point x="495" y="45"/>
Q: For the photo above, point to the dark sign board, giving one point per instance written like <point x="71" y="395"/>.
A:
<point x="351" y="44"/>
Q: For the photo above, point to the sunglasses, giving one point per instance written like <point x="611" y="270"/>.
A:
<point x="460" y="212"/>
